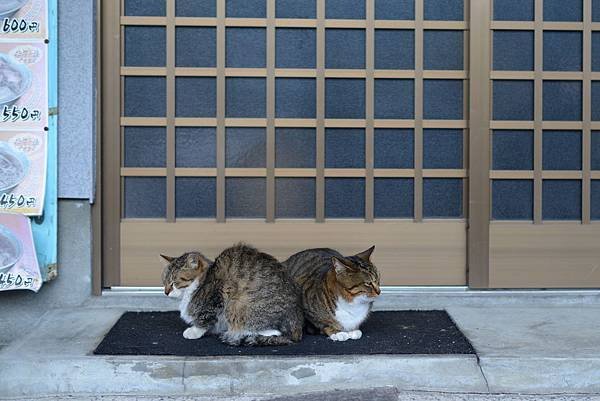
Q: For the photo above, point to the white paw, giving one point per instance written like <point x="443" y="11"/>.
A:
<point x="269" y="333"/>
<point x="192" y="333"/>
<point x="341" y="336"/>
<point x="355" y="334"/>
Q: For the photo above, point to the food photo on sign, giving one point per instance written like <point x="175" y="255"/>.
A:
<point x="23" y="157"/>
<point x="23" y="86"/>
<point x="23" y="18"/>
<point x="19" y="269"/>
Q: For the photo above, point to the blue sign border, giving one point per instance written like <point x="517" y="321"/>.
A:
<point x="45" y="227"/>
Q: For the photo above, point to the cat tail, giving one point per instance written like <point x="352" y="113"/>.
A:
<point x="294" y="335"/>
<point x="259" y="340"/>
<point x="255" y="339"/>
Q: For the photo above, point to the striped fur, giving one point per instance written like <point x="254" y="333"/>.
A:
<point x="245" y="296"/>
<point x="334" y="286"/>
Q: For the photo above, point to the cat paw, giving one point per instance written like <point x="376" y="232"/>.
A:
<point x="340" y="336"/>
<point x="193" y="333"/>
<point x="269" y="333"/>
<point x="355" y="334"/>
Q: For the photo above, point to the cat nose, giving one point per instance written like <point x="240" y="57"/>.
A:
<point x="167" y="291"/>
<point x="377" y="290"/>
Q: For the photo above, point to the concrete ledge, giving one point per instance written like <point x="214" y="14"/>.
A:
<point x="379" y="394"/>
<point x="236" y="376"/>
<point x="293" y="375"/>
<point x="56" y="356"/>
<point x="542" y="375"/>
<point x="392" y="298"/>
<point x="89" y="375"/>
<point x="522" y="350"/>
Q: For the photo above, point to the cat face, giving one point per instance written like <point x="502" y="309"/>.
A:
<point x="357" y="276"/>
<point x="180" y="272"/>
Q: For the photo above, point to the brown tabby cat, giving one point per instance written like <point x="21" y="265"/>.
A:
<point x="244" y="296"/>
<point x="337" y="291"/>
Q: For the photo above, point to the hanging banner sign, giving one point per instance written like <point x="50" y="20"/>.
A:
<point x="23" y="86"/>
<point x="19" y="269"/>
<point x="24" y="19"/>
<point x="23" y="160"/>
<point x="23" y="138"/>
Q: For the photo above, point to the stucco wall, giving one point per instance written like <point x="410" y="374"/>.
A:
<point x="76" y="98"/>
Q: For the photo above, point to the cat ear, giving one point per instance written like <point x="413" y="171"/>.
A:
<point x="193" y="262"/>
<point x="340" y="267"/>
<point x="165" y="260"/>
<point x="366" y="255"/>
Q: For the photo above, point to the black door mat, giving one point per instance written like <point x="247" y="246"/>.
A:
<point x="403" y="332"/>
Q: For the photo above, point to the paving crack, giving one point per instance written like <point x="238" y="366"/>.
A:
<point x="183" y="384"/>
<point x="487" y="384"/>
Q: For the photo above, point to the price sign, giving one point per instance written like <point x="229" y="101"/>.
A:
<point x="19" y="269"/>
<point x="23" y="137"/>
<point x="24" y="19"/>
<point x="23" y="105"/>
<point x="23" y="159"/>
<point x="23" y="86"/>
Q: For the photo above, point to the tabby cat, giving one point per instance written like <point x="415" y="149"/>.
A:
<point x="244" y="296"/>
<point x="337" y="291"/>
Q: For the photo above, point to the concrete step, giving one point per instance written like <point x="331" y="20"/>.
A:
<point x="370" y="394"/>
<point x="236" y="376"/>
<point x="517" y="354"/>
<point x="57" y="355"/>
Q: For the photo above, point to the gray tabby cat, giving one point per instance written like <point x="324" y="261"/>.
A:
<point x="244" y="296"/>
<point x="337" y="291"/>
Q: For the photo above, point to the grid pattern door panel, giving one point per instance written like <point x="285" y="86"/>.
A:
<point x="290" y="124"/>
<point x="274" y="109"/>
<point x="539" y="192"/>
<point x="543" y="104"/>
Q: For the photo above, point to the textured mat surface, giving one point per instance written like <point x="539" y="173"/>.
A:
<point x="402" y="332"/>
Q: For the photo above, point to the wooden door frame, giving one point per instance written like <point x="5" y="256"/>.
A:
<point x="107" y="219"/>
<point x="97" y="247"/>
<point x="491" y="259"/>
<point x="478" y="235"/>
<point x="105" y="216"/>
<point x="541" y="253"/>
<point x="106" y="210"/>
